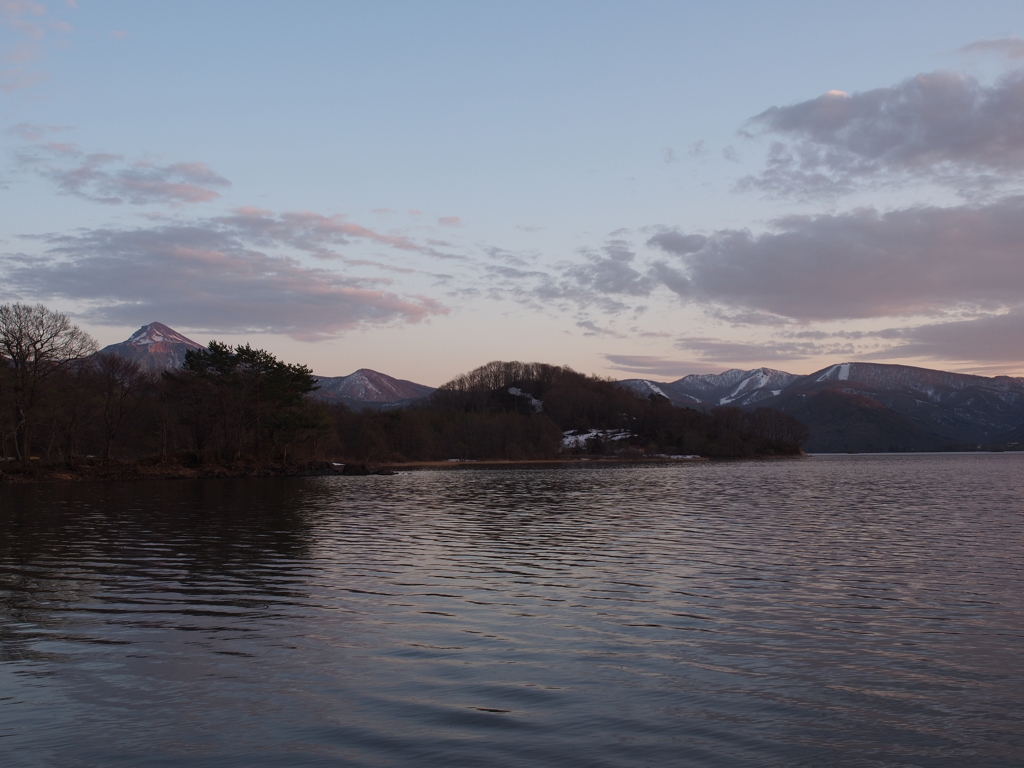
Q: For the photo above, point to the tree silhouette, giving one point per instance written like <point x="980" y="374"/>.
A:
<point x="37" y="343"/>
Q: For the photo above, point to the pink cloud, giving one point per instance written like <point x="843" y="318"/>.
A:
<point x="16" y="78"/>
<point x="213" y="277"/>
<point x="34" y="131"/>
<point x="313" y="232"/>
<point x="62" y="148"/>
<point x="26" y="19"/>
<point x="105" y="178"/>
<point x="450" y="221"/>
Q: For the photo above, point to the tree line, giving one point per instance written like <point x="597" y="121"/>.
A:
<point x="61" y="401"/>
<point x="492" y="413"/>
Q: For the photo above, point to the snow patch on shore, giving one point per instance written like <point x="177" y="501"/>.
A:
<point x="578" y="439"/>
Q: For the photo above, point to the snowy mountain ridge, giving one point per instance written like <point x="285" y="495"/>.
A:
<point x="956" y="406"/>
<point x="731" y="387"/>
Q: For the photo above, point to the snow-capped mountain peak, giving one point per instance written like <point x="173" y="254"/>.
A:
<point x="158" y="333"/>
<point x="156" y="347"/>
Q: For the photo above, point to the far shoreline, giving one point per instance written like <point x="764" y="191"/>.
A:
<point x="114" y="471"/>
<point x="97" y="470"/>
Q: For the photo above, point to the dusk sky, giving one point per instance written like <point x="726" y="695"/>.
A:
<point x="635" y="189"/>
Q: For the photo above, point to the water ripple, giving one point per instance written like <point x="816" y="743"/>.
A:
<point x="849" y="611"/>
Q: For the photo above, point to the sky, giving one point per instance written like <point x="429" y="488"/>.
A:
<point x="634" y="189"/>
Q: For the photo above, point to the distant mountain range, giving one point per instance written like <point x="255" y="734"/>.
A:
<point x="848" y="407"/>
<point x="867" y="406"/>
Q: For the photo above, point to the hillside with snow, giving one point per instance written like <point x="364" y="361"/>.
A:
<point x="732" y="387"/>
<point x="950" y="407"/>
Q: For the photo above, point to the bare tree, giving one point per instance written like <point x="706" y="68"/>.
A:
<point x="37" y="342"/>
<point x="124" y="385"/>
<point x="73" y="406"/>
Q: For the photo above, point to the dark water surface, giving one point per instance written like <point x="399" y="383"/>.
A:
<point x="864" y="610"/>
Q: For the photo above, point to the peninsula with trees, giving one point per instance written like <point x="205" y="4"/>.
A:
<point x="69" y="411"/>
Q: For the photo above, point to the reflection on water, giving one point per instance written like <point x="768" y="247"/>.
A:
<point x="861" y="610"/>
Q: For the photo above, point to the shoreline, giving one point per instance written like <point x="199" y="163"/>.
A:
<point x="487" y="463"/>
<point x="98" y="470"/>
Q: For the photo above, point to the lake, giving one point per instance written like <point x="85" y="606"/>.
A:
<point x="834" y="610"/>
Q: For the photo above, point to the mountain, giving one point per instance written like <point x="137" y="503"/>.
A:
<point x="956" y="406"/>
<point x="1013" y="439"/>
<point x="158" y="348"/>
<point x="936" y="407"/>
<point x="155" y="346"/>
<point x="369" y="389"/>
<point x="733" y="387"/>
<point x="840" y="422"/>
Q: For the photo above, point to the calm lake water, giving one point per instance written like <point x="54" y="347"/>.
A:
<point x="849" y="611"/>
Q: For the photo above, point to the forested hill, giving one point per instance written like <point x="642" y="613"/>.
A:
<point x="514" y="410"/>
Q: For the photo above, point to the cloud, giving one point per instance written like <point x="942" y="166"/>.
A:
<point x="668" y="156"/>
<point x="509" y="257"/>
<point x="609" y="272"/>
<point x="857" y="265"/>
<point x="606" y="280"/>
<point x="699" y="148"/>
<point x="29" y="22"/>
<point x="994" y="338"/>
<point x="450" y="221"/>
<point x="590" y="328"/>
<point x="208" y="275"/>
<point x="1009" y="47"/>
<point x="107" y="178"/>
<point x="33" y="131"/>
<point x="648" y="365"/>
<point x="915" y="262"/>
<point x="313" y="233"/>
<point x="990" y="339"/>
<point x="938" y="127"/>
<point x="727" y="351"/>
<point x="739" y="317"/>
<point x="677" y="243"/>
